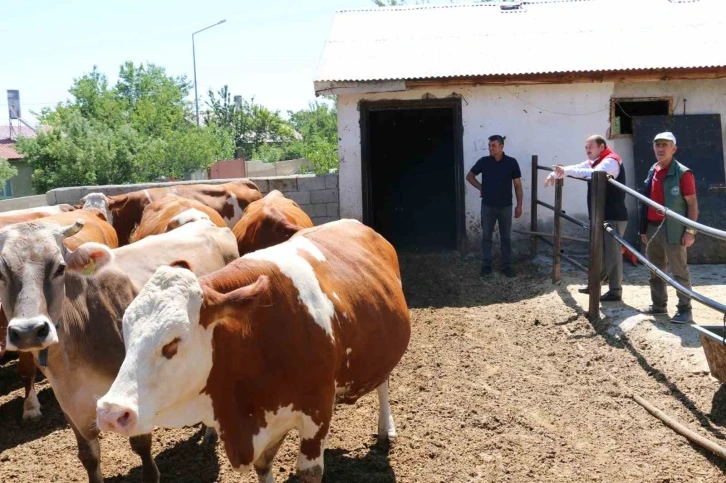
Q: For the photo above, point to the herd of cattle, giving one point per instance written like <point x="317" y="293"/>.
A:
<point x="204" y="304"/>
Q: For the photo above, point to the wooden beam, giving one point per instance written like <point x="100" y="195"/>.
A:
<point x="642" y="75"/>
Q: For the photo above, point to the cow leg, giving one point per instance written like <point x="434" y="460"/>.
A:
<point x="263" y="465"/>
<point x="142" y="447"/>
<point x="89" y="452"/>
<point x="312" y="444"/>
<point x="386" y="428"/>
<point x="26" y="371"/>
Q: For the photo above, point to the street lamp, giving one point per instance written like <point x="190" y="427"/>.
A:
<point x="194" y="57"/>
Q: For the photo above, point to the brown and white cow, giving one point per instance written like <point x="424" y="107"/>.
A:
<point x="265" y="345"/>
<point x="227" y="199"/>
<point x="269" y="221"/>
<point x="171" y="212"/>
<point x="77" y="317"/>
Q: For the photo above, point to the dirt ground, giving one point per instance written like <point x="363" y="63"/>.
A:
<point x="504" y="381"/>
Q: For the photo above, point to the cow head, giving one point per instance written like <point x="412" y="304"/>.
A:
<point x="100" y="202"/>
<point x="32" y="277"/>
<point x="187" y="216"/>
<point x="168" y="336"/>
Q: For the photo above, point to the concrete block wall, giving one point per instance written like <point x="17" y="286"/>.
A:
<point x="25" y="202"/>
<point x="317" y="195"/>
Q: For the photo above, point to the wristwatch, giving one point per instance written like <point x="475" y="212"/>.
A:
<point x="691" y="231"/>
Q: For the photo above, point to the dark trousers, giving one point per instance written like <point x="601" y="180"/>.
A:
<point x="489" y="217"/>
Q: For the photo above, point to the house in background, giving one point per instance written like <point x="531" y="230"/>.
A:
<point x="20" y="185"/>
<point x="420" y="89"/>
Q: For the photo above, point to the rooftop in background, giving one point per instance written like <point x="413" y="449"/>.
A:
<point x="535" y="37"/>
<point x="8" y="138"/>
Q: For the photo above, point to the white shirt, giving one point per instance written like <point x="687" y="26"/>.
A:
<point x="583" y="169"/>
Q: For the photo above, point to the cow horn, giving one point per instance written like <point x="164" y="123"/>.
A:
<point x="71" y="230"/>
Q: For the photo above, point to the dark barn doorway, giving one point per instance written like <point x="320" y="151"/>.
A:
<point x="413" y="173"/>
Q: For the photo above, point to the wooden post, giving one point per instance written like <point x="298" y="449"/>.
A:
<point x="533" y="206"/>
<point x="597" y="219"/>
<point x="557" y="232"/>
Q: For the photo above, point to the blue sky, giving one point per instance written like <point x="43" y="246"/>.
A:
<point x="268" y="49"/>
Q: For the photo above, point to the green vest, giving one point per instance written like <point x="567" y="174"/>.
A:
<point x="674" y="200"/>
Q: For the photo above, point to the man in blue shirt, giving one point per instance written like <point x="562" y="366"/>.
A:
<point x="499" y="173"/>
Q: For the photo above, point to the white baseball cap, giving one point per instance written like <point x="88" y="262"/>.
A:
<point x="668" y="136"/>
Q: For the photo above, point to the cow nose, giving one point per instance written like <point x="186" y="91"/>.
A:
<point x="28" y="334"/>
<point x="115" y="417"/>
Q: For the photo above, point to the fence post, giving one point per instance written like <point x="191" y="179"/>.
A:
<point x="557" y="238"/>
<point x="533" y="206"/>
<point x="597" y="220"/>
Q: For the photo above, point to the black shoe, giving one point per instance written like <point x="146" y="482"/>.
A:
<point x="485" y="271"/>
<point x="654" y="310"/>
<point x="509" y="272"/>
<point x="684" y="316"/>
<point x="610" y="297"/>
<point x="584" y="289"/>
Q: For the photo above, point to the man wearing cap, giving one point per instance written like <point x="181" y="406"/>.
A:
<point x="601" y="158"/>
<point x="671" y="184"/>
<point x="499" y="173"/>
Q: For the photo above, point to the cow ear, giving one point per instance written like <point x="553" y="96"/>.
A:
<point x="89" y="258"/>
<point x="182" y="263"/>
<point x="249" y="293"/>
<point x="234" y="304"/>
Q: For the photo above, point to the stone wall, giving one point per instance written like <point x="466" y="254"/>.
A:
<point x="317" y="195"/>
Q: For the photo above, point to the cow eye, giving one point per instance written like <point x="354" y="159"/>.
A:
<point x="169" y="350"/>
<point x="61" y="270"/>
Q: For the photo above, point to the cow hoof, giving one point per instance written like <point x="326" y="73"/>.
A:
<point x="32" y="414"/>
<point x="210" y="437"/>
<point x="390" y="435"/>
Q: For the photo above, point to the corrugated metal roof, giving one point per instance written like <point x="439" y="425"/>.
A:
<point x="540" y="37"/>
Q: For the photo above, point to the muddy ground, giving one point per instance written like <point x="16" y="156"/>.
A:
<point x="504" y="380"/>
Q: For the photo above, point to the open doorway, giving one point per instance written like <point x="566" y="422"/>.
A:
<point x="413" y="173"/>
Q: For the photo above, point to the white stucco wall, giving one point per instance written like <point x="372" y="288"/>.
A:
<point x="551" y="121"/>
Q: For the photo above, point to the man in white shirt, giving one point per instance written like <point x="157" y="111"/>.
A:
<point x="602" y="158"/>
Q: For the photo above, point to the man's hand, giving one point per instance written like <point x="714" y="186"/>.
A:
<point x="643" y="238"/>
<point x="518" y="211"/>
<point x="559" y="170"/>
<point x="549" y="180"/>
<point x="687" y="239"/>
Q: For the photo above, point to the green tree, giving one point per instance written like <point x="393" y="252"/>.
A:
<point x="252" y="125"/>
<point x="7" y="171"/>
<point x="134" y="131"/>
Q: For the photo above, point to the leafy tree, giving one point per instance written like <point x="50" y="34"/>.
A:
<point x="134" y="131"/>
<point x="251" y="124"/>
<point x="7" y="171"/>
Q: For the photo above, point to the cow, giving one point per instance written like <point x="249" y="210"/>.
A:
<point x="228" y="199"/>
<point x="269" y="221"/>
<point x="170" y="212"/>
<point x="98" y="203"/>
<point x="95" y="230"/>
<point x="65" y="308"/>
<point x="51" y="210"/>
<point x="265" y="345"/>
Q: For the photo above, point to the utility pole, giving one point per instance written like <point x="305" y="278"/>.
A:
<point x="194" y="59"/>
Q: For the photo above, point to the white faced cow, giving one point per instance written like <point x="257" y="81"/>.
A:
<point x="71" y="322"/>
<point x="265" y="345"/>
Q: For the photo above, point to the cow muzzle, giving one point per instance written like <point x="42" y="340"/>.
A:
<point x="116" y="417"/>
<point x="31" y="334"/>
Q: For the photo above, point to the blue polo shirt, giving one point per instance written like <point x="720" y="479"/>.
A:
<point x="496" y="180"/>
